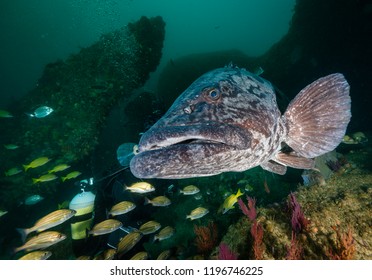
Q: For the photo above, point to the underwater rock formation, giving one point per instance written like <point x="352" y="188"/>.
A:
<point x="339" y="215"/>
<point x="81" y="90"/>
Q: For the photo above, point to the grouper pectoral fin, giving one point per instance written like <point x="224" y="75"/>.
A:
<point x="274" y="167"/>
<point x="295" y="161"/>
<point x="318" y="116"/>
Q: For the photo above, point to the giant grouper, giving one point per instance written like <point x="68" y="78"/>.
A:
<point x="229" y="120"/>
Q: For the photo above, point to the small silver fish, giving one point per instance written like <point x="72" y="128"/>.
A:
<point x="11" y="146"/>
<point x="5" y="114"/>
<point x="41" y="112"/>
<point x="3" y="212"/>
<point x="33" y="199"/>
<point x="12" y="171"/>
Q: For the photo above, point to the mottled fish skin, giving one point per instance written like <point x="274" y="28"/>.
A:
<point x="227" y="120"/>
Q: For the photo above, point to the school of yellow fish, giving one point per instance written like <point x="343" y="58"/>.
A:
<point x="43" y="238"/>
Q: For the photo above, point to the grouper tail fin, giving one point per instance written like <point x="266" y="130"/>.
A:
<point x="318" y="116"/>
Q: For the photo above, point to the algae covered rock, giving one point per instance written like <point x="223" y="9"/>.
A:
<point x="81" y="90"/>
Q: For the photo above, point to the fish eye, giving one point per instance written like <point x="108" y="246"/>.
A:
<point x="135" y="149"/>
<point x="214" y="94"/>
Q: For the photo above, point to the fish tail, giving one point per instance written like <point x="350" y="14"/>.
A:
<point x="239" y="193"/>
<point x="34" y="180"/>
<point x="153" y="239"/>
<point x="26" y="167"/>
<point x="15" y="250"/>
<point x="23" y="232"/>
<point x="147" y="201"/>
<point x="318" y="116"/>
<point x="63" y="179"/>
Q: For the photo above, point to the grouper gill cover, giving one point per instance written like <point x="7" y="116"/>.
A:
<point x="228" y="120"/>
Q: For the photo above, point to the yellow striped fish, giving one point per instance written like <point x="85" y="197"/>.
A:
<point x="128" y="242"/>
<point x="164" y="255"/>
<point x="41" y="241"/>
<point x="190" y="190"/>
<point x="52" y="219"/>
<point x="121" y="208"/>
<point x="104" y="227"/>
<point x="37" y="255"/>
<point x="44" y="178"/>
<point x="58" y="168"/>
<point x="71" y="175"/>
<point x="109" y="254"/>
<point x="140" y="256"/>
<point x="197" y="213"/>
<point x="158" y="201"/>
<point x="149" y="227"/>
<point x="165" y="233"/>
<point x="140" y="187"/>
<point x="36" y="163"/>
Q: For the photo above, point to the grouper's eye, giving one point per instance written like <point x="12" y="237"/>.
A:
<point x="213" y="94"/>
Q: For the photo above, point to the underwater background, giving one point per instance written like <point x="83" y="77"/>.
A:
<point x="80" y="78"/>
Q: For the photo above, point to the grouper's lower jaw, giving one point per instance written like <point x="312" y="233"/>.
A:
<point x="181" y="161"/>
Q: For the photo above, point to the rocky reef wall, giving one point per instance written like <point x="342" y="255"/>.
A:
<point x="81" y="90"/>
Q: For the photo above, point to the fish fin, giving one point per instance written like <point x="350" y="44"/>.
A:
<point x="153" y="239"/>
<point x="294" y="161"/>
<point x="23" y="232"/>
<point x="125" y="153"/>
<point x="274" y="167"/>
<point x="111" y="246"/>
<point x="318" y="116"/>
<point x="147" y="201"/>
<point x="239" y="193"/>
<point x="15" y="250"/>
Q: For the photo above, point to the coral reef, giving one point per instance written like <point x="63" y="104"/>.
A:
<point x="339" y="213"/>
<point x="298" y="221"/>
<point x="294" y="250"/>
<point x="206" y="237"/>
<point x="224" y="253"/>
<point x="345" y="245"/>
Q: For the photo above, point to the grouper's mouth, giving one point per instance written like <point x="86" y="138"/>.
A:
<point x="184" y="151"/>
